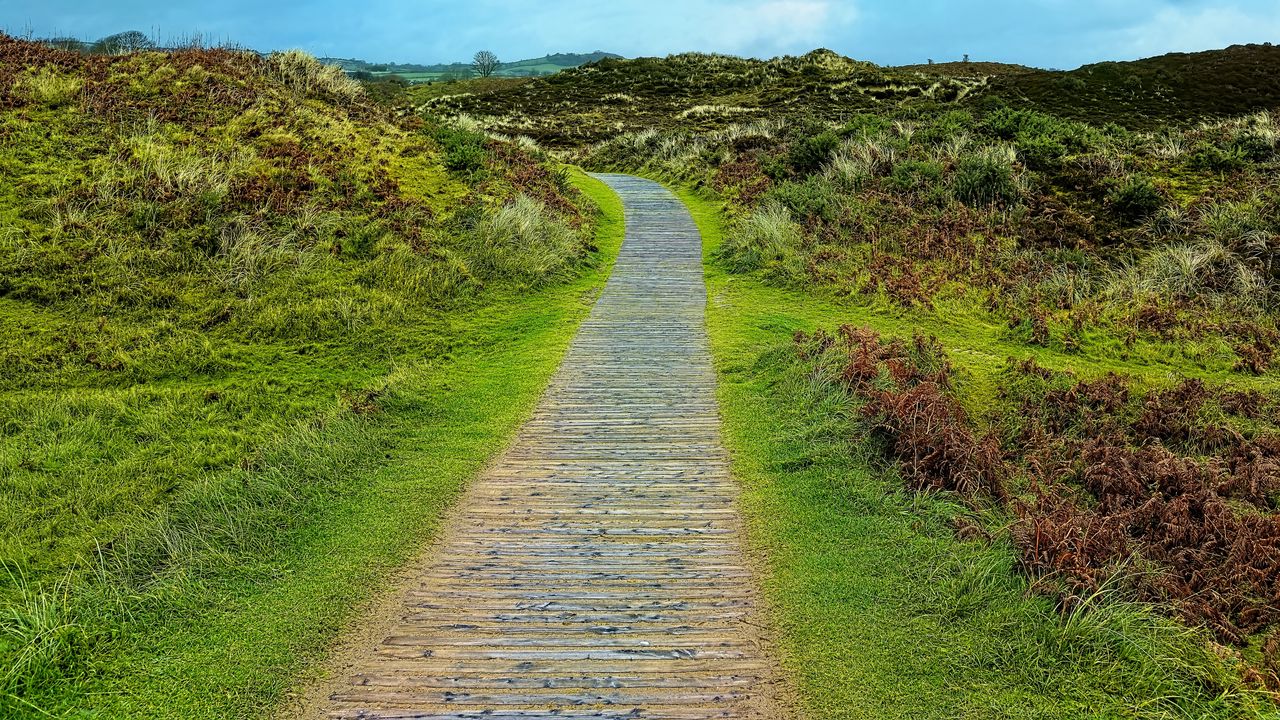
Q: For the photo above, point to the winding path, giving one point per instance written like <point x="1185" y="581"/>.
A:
<point x="596" y="570"/>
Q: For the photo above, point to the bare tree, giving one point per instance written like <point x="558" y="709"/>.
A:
<point x="125" y="42"/>
<point x="485" y="63"/>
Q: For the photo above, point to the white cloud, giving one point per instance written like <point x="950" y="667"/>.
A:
<point x="1180" y="29"/>
<point x="656" y="27"/>
<point x="1056" y="33"/>
<point x="781" y="25"/>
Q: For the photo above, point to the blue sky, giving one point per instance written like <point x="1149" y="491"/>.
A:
<point x="1046" y="33"/>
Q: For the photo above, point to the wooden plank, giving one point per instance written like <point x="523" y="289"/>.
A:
<point x="477" y="681"/>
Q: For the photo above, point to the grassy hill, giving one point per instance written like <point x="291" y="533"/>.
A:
<point x="704" y="92"/>
<point x="693" y="90"/>
<point x="225" y="282"/>
<point x="1179" y="87"/>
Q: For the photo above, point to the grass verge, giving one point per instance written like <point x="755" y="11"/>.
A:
<point x="882" y="611"/>
<point x="277" y="555"/>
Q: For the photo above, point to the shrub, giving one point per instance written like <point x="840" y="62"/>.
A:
<point x="1042" y="140"/>
<point x="905" y="391"/>
<point x="1041" y="151"/>
<point x="986" y="178"/>
<point x="866" y="125"/>
<point x="916" y="176"/>
<point x="814" y="198"/>
<point x="308" y="76"/>
<point x="388" y="90"/>
<point x="945" y="128"/>
<point x="1006" y="123"/>
<point x="810" y="153"/>
<point x="1135" y="200"/>
<point x="463" y="149"/>
<point x="1209" y="156"/>
<point x="1256" y="136"/>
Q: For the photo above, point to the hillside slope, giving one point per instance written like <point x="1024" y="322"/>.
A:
<point x="1178" y="87"/>
<point x="212" y="263"/>
<point x="702" y="92"/>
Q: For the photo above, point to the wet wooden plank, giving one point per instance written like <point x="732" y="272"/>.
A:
<point x="445" y="713"/>
<point x="475" y="681"/>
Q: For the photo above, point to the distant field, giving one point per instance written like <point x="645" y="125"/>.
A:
<point x="418" y="74"/>
<point x="417" y="78"/>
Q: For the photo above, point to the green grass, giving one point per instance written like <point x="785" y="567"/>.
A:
<point x="351" y="458"/>
<point x="882" y="611"/>
<point x="443" y="420"/>
<point x="183" y="291"/>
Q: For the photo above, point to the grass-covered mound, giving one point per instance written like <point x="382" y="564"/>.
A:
<point x="703" y="92"/>
<point x="1143" y="94"/>
<point x="692" y="91"/>
<point x="210" y="264"/>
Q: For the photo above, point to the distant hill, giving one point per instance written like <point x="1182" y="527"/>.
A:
<point x="704" y="91"/>
<point x="533" y="67"/>
<point x="969" y="69"/>
<point x="697" y="90"/>
<point x="1174" y="87"/>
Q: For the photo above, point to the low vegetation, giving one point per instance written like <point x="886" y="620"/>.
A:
<point x="882" y="490"/>
<point x="699" y="92"/>
<point x="1106" y="279"/>
<point x="997" y="350"/>
<point x="1076" y="237"/>
<point x="226" y="280"/>
<point x="1167" y="495"/>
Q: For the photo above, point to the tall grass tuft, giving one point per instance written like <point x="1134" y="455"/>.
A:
<point x="308" y="76"/>
<point x="861" y="159"/>
<point x="40" y="642"/>
<point x="987" y="177"/>
<point x="1206" y="271"/>
<point x="767" y="239"/>
<point x="523" y="242"/>
<point x="151" y="166"/>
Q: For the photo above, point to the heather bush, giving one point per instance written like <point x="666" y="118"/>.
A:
<point x="1135" y="199"/>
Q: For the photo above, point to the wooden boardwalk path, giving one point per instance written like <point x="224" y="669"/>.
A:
<point x="596" y="569"/>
